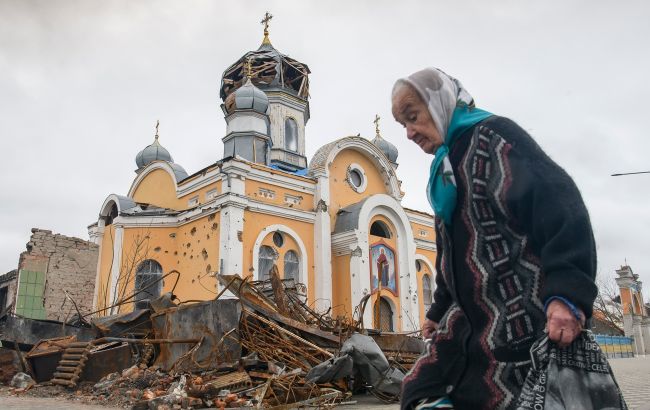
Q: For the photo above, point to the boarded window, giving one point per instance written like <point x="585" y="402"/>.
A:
<point x="29" y="302"/>
<point x="291" y="266"/>
<point x="266" y="260"/>
<point x="427" y="292"/>
<point x="290" y="135"/>
<point x="383" y="316"/>
<point x="147" y="276"/>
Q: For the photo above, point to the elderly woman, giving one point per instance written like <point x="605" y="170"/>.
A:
<point x="516" y="254"/>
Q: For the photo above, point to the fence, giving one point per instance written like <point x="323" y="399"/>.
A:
<point x="616" y="346"/>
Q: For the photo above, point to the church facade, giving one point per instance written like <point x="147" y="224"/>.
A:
<point x="334" y="222"/>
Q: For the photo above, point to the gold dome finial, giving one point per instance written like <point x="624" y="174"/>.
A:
<point x="267" y="17"/>
<point x="376" y="121"/>
<point x="157" y="125"/>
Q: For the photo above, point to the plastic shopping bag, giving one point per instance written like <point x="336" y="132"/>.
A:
<point x="577" y="377"/>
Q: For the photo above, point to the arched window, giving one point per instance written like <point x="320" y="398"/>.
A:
<point x="112" y="214"/>
<point x="383" y="316"/>
<point x="427" y="292"/>
<point x="291" y="266"/>
<point x="147" y="276"/>
<point x="290" y="135"/>
<point x="266" y="260"/>
<point x="378" y="228"/>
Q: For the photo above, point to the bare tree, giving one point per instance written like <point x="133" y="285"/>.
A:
<point x="608" y="306"/>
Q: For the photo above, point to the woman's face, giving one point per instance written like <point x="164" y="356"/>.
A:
<point x="412" y="112"/>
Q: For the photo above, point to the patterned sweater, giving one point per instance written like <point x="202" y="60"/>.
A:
<point x="520" y="234"/>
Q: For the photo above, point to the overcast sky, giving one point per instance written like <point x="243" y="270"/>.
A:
<point x="82" y="84"/>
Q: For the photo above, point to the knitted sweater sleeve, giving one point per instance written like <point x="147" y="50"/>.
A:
<point x="441" y="296"/>
<point x="546" y="204"/>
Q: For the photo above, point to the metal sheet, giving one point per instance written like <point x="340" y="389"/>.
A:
<point x="208" y="321"/>
<point x="30" y="331"/>
<point x="105" y="361"/>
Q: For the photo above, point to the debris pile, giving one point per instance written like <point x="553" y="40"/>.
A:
<point x="257" y="345"/>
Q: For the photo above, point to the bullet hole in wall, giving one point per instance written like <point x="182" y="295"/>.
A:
<point x="211" y="217"/>
<point x="193" y="231"/>
<point x="215" y="226"/>
<point x="204" y="253"/>
<point x="157" y="249"/>
<point x="175" y="252"/>
<point x="172" y="235"/>
<point x="188" y="245"/>
<point x="208" y="268"/>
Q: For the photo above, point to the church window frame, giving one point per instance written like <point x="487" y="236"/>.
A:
<point x="356" y="178"/>
<point x="380" y="228"/>
<point x="427" y="291"/>
<point x="291" y="142"/>
<point x="265" y="261"/>
<point x="292" y="265"/>
<point x="148" y="272"/>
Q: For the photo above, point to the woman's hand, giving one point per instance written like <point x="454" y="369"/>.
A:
<point x="562" y="325"/>
<point x="428" y="327"/>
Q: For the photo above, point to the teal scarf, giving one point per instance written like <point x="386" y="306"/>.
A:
<point x="441" y="189"/>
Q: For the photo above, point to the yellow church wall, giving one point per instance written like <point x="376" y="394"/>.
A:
<point x="253" y="191"/>
<point x="197" y="258"/>
<point x="341" y="286"/>
<point x="255" y="222"/>
<point x="430" y="234"/>
<point x="341" y="193"/>
<point x="201" y="194"/>
<point x="158" y="188"/>
<point x="104" y="269"/>
<point x="385" y="293"/>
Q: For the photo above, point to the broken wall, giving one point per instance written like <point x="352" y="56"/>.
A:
<point x="8" y="283"/>
<point x="51" y="265"/>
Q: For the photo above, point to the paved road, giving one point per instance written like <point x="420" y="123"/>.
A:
<point x="633" y="375"/>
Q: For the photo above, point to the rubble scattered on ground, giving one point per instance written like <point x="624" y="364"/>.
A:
<point x="265" y="349"/>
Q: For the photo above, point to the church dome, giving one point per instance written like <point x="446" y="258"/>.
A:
<point x="249" y="97"/>
<point x="389" y="150"/>
<point x="153" y="152"/>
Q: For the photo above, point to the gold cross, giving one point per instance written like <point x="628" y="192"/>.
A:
<point x="157" y="124"/>
<point x="376" y="121"/>
<point x="265" y="21"/>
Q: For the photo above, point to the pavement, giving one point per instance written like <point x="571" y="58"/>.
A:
<point x="632" y="375"/>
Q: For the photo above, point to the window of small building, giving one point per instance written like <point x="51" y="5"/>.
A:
<point x="265" y="261"/>
<point x="291" y="266"/>
<point x="379" y="228"/>
<point x="427" y="292"/>
<point x="290" y="135"/>
<point x="147" y="279"/>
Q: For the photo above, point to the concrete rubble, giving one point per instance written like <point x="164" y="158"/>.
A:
<point x="261" y="347"/>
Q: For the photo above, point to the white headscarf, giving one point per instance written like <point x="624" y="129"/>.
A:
<point x="441" y="92"/>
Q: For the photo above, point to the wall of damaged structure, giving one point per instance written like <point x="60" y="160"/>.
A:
<point x="8" y="285"/>
<point x="53" y="265"/>
<point x="191" y="248"/>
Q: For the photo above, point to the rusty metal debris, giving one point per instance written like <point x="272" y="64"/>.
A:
<point x="266" y="348"/>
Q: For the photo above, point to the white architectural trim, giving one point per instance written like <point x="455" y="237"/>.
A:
<point x="425" y="245"/>
<point x="357" y="241"/>
<point x="255" y="205"/>
<point x="274" y="177"/>
<point x="304" y="273"/>
<point x="414" y="217"/>
<point x="322" y="246"/>
<point x="364" y="178"/>
<point x="116" y="264"/>
<point x="201" y="181"/>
